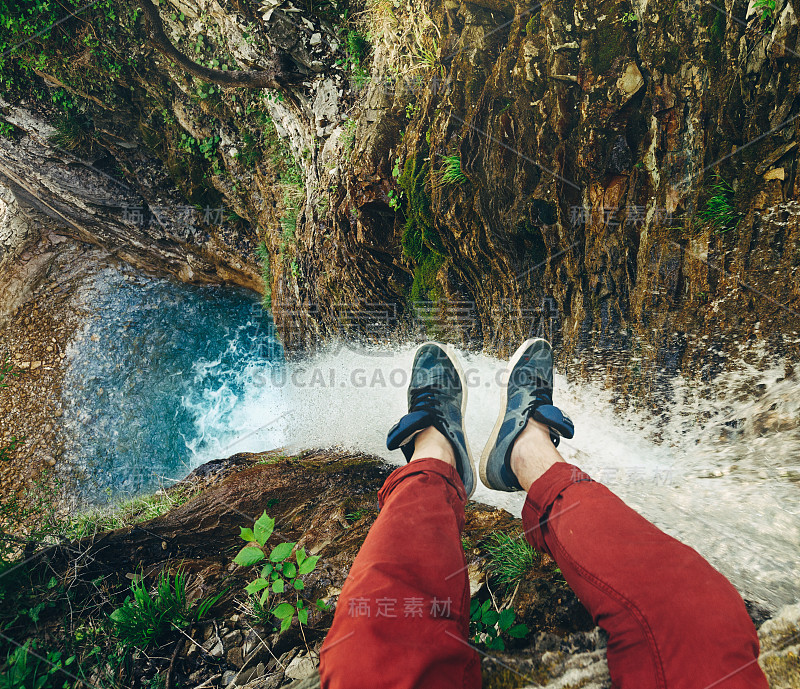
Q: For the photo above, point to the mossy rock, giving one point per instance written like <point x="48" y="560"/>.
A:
<point x="424" y="286"/>
<point x="414" y="180"/>
<point x="608" y="42"/>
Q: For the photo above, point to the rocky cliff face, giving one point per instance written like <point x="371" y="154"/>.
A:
<point x="615" y="177"/>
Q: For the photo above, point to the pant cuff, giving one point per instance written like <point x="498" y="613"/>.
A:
<point x="422" y="466"/>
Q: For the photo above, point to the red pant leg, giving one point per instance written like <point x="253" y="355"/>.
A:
<point x="673" y="621"/>
<point x="402" y="619"/>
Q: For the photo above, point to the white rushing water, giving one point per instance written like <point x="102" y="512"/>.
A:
<point x="727" y="485"/>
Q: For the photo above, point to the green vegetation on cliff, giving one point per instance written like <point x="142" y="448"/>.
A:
<point x="420" y="241"/>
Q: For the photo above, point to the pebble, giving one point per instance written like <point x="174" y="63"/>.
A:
<point x="35" y="365"/>
<point x="214" y="647"/>
<point x="95" y="337"/>
<point x="301" y="667"/>
<point x="233" y="638"/>
<point x="235" y="657"/>
<point x="251" y="643"/>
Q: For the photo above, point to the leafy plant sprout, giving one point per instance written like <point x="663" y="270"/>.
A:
<point x="767" y="9"/>
<point x="279" y="575"/>
<point x="486" y="625"/>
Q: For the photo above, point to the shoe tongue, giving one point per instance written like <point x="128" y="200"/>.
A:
<point x="402" y="433"/>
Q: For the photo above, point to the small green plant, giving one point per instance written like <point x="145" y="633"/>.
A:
<point x="349" y="134"/>
<point x="208" y="147"/>
<point x="72" y="133"/>
<point x="250" y="152"/>
<point x="718" y="210"/>
<point x="425" y="59"/>
<point x="145" y="618"/>
<point x="356" y="49"/>
<point x="357" y="45"/>
<point x="412" y="110"/>
<point x="263" y="256"/>
<point x="289" y="224"/>
<point x="293" y="194"/>
<point x="509" y="558"/>
<point x="360" y="77"/>
<point x="767" y="9"/>
<point x="395" y="199"/>
<point x="354" y="516"/>
<point x="279" y="575"/>
<point x="31" y="667"/>
<point x="205" y="147"/>
<point x="486" y="625"/>
<point x="629" y="18"/>
<point x="450" y="172"/>
<point x="7" y="130"/>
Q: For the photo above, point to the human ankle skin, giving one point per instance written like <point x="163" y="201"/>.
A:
<point x="533" y="454"/>
<point x="430" y="443"/>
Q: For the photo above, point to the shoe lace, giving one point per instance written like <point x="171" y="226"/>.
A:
<point x="540" y="399"/>
<point x="425" y="398"/>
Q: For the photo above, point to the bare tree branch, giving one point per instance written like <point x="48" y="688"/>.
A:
<point x="274" y="77"/>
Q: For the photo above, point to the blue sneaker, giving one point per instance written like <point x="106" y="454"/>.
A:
<point x="437" y="396"/>
<point x="529" y="394"/>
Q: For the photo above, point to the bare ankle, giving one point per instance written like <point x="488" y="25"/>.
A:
<point x="430" y="443"/>
<point x="533" y="453"/>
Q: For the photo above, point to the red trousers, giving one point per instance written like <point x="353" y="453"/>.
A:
<point x="402" y="619"/>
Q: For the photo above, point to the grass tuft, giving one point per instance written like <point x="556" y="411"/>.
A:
<point x="510" y="558"/>
<point x="450" y="172"/>
<point x="266" y="275"/>
<point x="718" y="210"/>
<point x="72" y="134"/>
<point x="128" y="512"/>
<point x="146" y="617"/>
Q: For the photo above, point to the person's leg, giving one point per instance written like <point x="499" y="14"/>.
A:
<point x="673" y="621"/>
<point x="402" y="619"/>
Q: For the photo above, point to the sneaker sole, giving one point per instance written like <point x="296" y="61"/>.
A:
<point x="490" y="443"/>
<point x="448" y="349"/>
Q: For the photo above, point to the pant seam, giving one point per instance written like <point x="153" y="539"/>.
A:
<point x="625" y="602"/>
